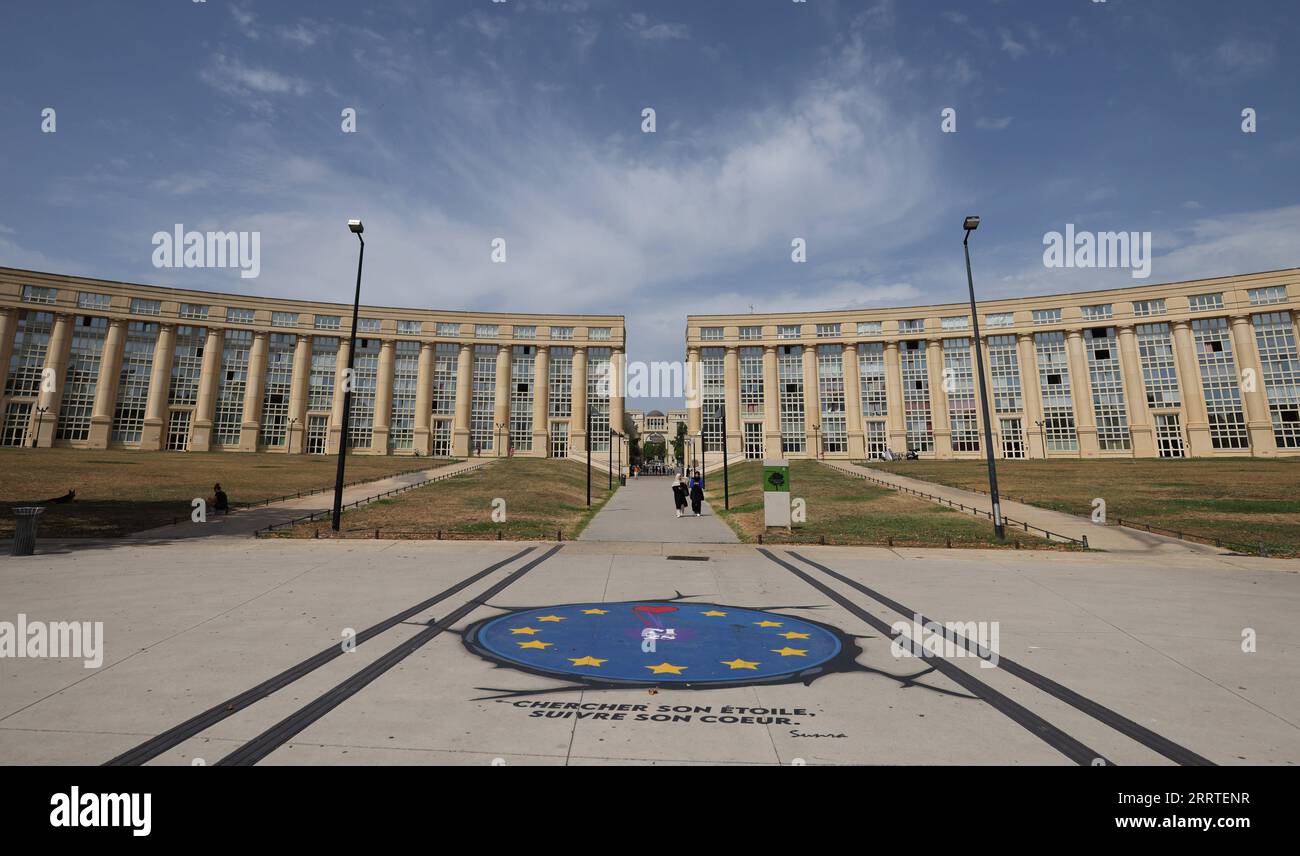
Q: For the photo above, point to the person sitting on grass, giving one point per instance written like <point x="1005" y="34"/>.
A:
<point x="220" y="502"/>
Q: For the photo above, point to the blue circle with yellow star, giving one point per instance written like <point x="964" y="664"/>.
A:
<point x="661" y="643"/>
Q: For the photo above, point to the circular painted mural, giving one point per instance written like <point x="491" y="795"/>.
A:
<point x="657" y="643"/>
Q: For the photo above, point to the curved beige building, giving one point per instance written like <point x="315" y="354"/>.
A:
<point x="96" y="364"/>
<point x="1200" y="368"/>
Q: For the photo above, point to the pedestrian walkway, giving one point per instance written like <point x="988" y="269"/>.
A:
<point x="245" y="522"/>
<point x="1113" y="538"/>
<point x="643" y="511"/>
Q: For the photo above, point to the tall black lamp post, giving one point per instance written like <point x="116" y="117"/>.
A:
<point x="726" y="479"/>
<point x="970" y="225"/>
<point x="588" y="443"/>
<point x="357" y="229"/>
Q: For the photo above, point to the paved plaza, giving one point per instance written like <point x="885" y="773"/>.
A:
<point x="639" y="650"/>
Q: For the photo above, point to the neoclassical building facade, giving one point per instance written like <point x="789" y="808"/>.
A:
<point x="97" y="364"/>
<point x="1185" y="369"/>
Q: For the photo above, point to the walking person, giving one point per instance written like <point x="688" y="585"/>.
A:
<point x="220" y="502"/>
<point x="697" y="495"/>
<point x="679" y="496"/>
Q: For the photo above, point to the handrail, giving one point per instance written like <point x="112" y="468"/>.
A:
<point x="261" y="503"/>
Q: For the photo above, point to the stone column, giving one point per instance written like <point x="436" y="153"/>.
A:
<point x="337" y="429"/>
<point x="1259" y="422"/>
<point x="209" y="383"/>
<point x="383" y="398"/>
<point x="578" y="422"/>
<point x="8" y="329"/>
<point x="424" y="400"/>
<point x="617" y="389"/>
<point x="1135" y="395"/>
<point x="251" y="421"/>
<point x="299" y="389"/>
<point x="731" y="397"/>
<point x="501" y="404"/>
<point x="896" y="425"/>
<point x="694" y="421"/>
<point x="771" y="404"/>
<point x="812" y="406"/>
<point x="853" y="403"/>
<point x="938" y="399"/>
<point x="1189" y="376"/>
<point x="110" y="371"/>
<point x="155" y="409"/>
<point x="541" y="401"/>
<point x="1032" y="394"/>
<point x="1085" y="418"/>
<point x="51" y="396"/>
<point x="460" y="446"/>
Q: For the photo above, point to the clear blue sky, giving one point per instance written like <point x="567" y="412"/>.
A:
<point x="775" y="120"/>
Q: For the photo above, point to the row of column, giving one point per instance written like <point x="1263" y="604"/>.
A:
<point x="157" y="409"/>
<point x="1140" y="419"/>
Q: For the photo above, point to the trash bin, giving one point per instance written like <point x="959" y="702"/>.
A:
<point x="25" y="521"/>
<point x="622" y="480"/>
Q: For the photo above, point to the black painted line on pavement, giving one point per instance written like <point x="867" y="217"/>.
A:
<point x="172" y="737"/>
<point x="286" y="729"/>
<point x="1148" y="738"/>
<point x="1021" y="715"/>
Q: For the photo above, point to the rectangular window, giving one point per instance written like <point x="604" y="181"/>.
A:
<point x="787" y="331"/>
<point x="1144" y="308"/>
<point x="711" y="334"/>
<point x="187" y="365"/>
<point x="448" y="328"/>
<point x="560" y="372"/>
<point x="238" y="315"/>
<point x="870" y="328"/>
<point x="915" y="372"/>
<point x="712" y="396"/>
<point x="194" y="312"/>
<point x="1000" y="319"/>
<point x="911" y="325"/>
<point x="871" y="379"/>
<point x="406" y="372"/>
<point x="1159" y="366"/>
<point x="483" y="398"/>
<point x="141" y="306"/>
<point x="178" y="430"/>
<point x="409" y="328"/>
<point x="877" y="439"/>
<point x="365" y="378"/>
<point x="751" y="332"/>
<point x="275" y="396"/>
<point x="1275" y="339"/>
<point x="94" y="302"/>
<point x="324" y="367"/>
<point x="751" y="382"/>
<point x="830" y="393"/>
<point x="229" y="416"/>
<point x="598" y="385"/>
<point x="598" y="334"/>
<point x="1054" y="388"/>
<point x="445" y="370"/>
<point x="1047" y="316"/>
<point x="485" y="331"/>
<point x="562" y="333"/>
<point x="524" y="332"/>
<point x="1265" y="296"/>
<point x="959" y="380"/>
<point x="27" y="360"/>
<point x="327" y="322"/>
<point x="81" y="378"/>
<point x="1004" y="370"/>
<point x="1219" y="382"/>
<point x="1107" y="382"/>
<point x="1204" y="302"/>
<point x="37" y="294"/>
<point x="284" y="319"/>
<point x="369" y="325"/>
<point x="1098" y="312"/>
<point x="827" y="331"/>
<point x="133" y="381"/>
<point x="523" y="359"/>
<point x="955" y="322"/>
<point x="789" y="368"/>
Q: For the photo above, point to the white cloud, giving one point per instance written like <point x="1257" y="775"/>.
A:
<point x="988" y="123"/>
<point x="230" y="75"/>
<point x="641" y="26"/>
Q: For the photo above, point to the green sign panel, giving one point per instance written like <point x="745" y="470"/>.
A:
<point x="776" y="478"/>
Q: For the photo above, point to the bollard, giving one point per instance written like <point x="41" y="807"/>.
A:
<point x="26" y="518"/>
<point x="316" y="534"/>
<point x="498" y="534"/>
<point x="1085" y="542"/>
<point x="376" y="533"/>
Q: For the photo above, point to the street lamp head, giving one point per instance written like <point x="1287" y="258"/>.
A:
<point x="356" y="227"/>
<point x="971" y="223"/>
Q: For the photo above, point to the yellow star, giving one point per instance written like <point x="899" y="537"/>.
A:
<point x="594" y="611"/>
<point x="713" y="612"/>
<point x="790" y="634"/>
<point x="789" y="652"/>
<point x="768" y="623"/>
<point x="525" y="631"/>
<point x="740" y="664"/>
<point x="666" y="668"/>
<point x="550" y="618"/>
<point x="585" y="661"/>
<point x="536" y="643"/>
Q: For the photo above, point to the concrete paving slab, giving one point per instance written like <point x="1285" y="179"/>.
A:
<point x="642" y="510"/>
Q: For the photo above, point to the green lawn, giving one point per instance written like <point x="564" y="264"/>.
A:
<point x="846" y="510"/>
<point x="120" y="491"/>
<point x="542" y="497"/>
<point x="1243" y="501"/>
